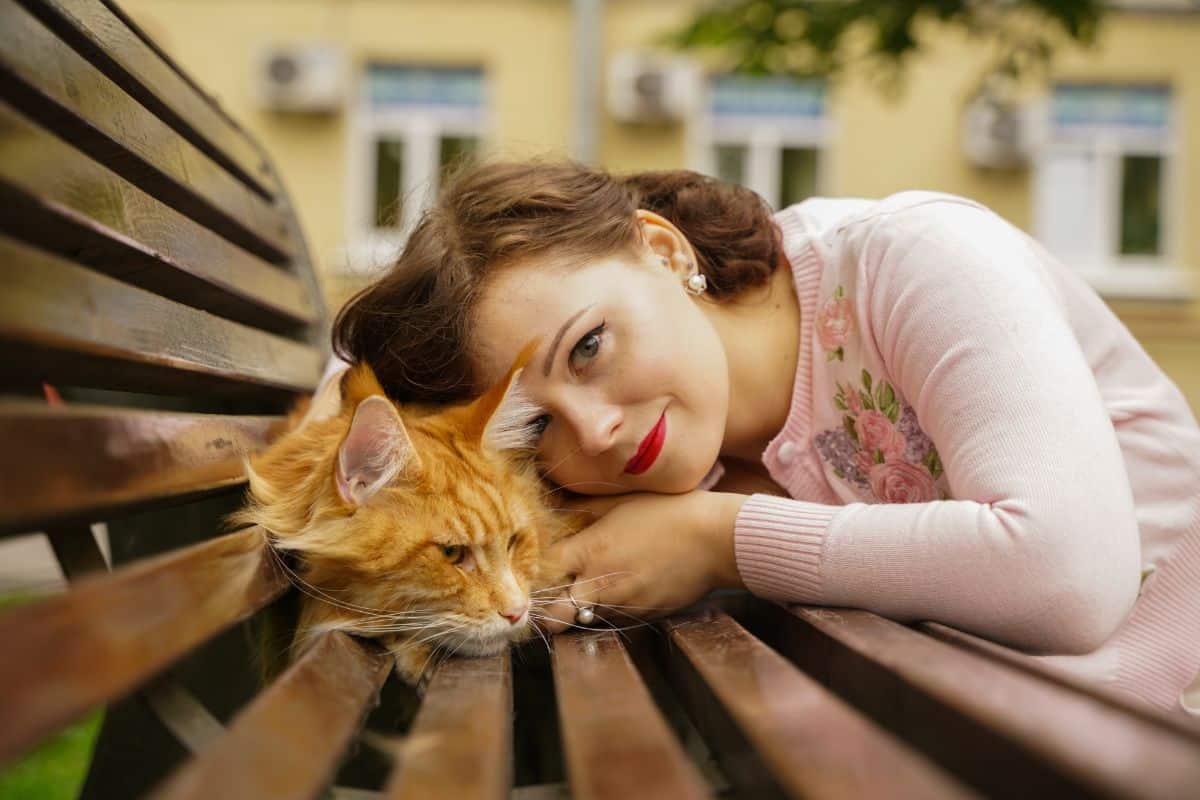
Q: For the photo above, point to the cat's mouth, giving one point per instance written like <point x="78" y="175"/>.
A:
<point x="490" y="642"/>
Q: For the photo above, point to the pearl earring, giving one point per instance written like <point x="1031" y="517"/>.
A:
<point x="697" y="284"/>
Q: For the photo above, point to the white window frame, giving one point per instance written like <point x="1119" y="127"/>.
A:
<point x="1113" y="274"/>
<point x="419" y="129"/>
<point x="765" y="137"/>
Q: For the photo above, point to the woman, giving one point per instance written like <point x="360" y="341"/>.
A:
<point x="902" y="405"/>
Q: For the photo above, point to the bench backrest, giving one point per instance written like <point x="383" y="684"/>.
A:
<point x="152" y="272"/>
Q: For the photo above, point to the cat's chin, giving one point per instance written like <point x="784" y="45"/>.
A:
<point x="493" y="645"/>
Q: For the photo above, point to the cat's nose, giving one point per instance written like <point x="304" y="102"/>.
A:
<point x="514" y="614"/>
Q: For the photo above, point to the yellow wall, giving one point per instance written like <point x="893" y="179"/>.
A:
<point x="524" y="47"/>
<point x="526" y="50"/>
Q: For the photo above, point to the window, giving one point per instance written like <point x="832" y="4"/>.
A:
<point x="1102" y="187"/>
<point x="413" y="124"/>
<point x="766" y="134"/>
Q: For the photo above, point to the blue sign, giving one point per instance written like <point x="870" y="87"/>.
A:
<point x="776" y="96"/>
<point x="390" y="86"/>
<point x="1111" y="106"/>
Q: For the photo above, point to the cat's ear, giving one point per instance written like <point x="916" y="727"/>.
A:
<point x="357" y="384"/>
<point x="376" y="449"/>
<point x="501" y="419"/>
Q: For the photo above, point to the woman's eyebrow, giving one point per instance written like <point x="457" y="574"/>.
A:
<point x="549" y="362"/>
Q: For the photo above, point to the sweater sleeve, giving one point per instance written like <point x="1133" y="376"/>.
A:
<point x="1038" y="547"/>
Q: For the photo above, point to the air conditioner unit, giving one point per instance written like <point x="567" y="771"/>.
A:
<point x="652" y="88"/>
<point x="996" y="133"/>
<point x="307" y="78"/>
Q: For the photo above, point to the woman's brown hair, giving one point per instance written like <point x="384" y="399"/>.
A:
<point x="412" y="325"/>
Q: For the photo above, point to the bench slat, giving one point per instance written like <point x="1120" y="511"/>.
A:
<point x="972" y="713"/>
<point x="104" y="461"/>
<point x="59" y="199"/>
<point x="744" y="696"/>
<point x="615" y="742"/>
<point x="460" y="744"/>
<point x="66" y="324"/>
<point x="50" y="82"/>
<point x="69" y="653"/>
<point x="105" y="40"/>
<point x="288" y="742"/>
<point x="1188" y="726"/>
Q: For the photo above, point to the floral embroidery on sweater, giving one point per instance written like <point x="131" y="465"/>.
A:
<point x="835" y="321"/>
<point x="880" y="448"/>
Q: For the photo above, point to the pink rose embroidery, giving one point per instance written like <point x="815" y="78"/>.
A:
<point x="834" y="322"/>
<point x="880" y="448"/>
<point x="902" y="482"/>
<point x="876" y="432"/>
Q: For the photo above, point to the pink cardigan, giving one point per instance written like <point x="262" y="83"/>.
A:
<point x="976" y="439"/>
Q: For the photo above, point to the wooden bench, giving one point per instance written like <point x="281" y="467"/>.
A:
<point x="153" y="272"/>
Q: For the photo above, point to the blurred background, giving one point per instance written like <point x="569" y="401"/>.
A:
<point x="1096" y="151"/>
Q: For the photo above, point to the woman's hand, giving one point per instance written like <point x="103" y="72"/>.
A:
<point x="645" y="555"/>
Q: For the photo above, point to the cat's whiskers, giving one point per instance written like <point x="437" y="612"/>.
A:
<point x="556" y="464"/>
<point x="621" y="573"/>
<point x="318" y="594"/>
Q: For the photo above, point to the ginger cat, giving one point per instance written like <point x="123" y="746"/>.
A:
<point x="422" y="528"/>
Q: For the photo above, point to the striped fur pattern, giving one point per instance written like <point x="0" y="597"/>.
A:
<point x="418" y="527"/>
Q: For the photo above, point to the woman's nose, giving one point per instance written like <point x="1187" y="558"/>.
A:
<point x="597" y="429"/>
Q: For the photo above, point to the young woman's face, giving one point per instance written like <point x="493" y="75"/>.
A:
<point x="630" y="371"/>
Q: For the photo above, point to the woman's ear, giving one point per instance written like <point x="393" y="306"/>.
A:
<point x="668" y="246"/>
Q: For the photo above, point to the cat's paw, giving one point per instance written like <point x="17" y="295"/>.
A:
<point x="414" y="662"/>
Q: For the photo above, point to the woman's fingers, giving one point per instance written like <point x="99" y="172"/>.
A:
<point x="557" y="616"/>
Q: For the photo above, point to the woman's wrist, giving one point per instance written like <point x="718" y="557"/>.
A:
<point x="718" y="522"/>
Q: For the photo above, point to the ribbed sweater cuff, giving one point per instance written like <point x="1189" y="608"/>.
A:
<point x="778" y="544"/>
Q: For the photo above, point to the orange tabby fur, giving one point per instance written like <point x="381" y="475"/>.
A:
<point x="380" y="561"/>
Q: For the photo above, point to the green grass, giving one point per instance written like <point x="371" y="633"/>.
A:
<point x="56" y="769"/>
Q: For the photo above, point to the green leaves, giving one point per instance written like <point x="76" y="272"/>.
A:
<point x="808" y="38"/>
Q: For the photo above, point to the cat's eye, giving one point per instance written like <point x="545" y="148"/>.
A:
<point x="539" y="425"/>
<point x="512" y="541"/>
<point x="586" y="348"/>
<point x="454" y="552"/>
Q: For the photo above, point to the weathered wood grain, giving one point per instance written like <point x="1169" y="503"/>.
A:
<point x="756" y="710"/>
<point x="79" y="463"/>
<point x="287" y="743"/>
<point x="51" y="83"/>
<point x="615" y="740"/>
<point x="67" y="654"/>
<point x="98" y="34"/>
<point x="971" y="713"/>
<point x="57" y="198"/>
<point x="63" y="323"/>
<point x="460" y="744"/>
<point x="1188" y="726"/>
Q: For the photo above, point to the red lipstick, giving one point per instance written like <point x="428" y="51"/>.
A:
<point x="649" y="449"/>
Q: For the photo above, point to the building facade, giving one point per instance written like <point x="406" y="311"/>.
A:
<point x="1104" y="161"/>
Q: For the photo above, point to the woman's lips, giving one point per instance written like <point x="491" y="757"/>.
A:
<point x="649" y="449"/>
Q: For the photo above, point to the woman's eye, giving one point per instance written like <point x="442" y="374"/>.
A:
<point x="454" y="552"/>
<point x="587" y="348"/>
